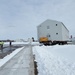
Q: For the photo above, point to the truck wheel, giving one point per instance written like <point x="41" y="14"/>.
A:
<point x="60" y="43"/>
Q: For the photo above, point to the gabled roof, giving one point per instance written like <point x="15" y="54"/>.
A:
<point x="48" y="20"/>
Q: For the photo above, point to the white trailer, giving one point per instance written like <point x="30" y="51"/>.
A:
<point x="55" y="31"/>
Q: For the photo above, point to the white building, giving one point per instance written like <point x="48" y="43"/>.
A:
<point x="54" y="30"/>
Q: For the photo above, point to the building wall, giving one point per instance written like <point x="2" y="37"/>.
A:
<point x="65" y="32"/>
<point x="51" y="29"/>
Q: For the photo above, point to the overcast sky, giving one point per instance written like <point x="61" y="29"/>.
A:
<point x="19" y="18"/>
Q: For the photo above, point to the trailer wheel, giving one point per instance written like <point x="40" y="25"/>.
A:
<point x="60" y="43"/>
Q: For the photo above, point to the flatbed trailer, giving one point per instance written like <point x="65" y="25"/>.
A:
<point x="45" y="41"/>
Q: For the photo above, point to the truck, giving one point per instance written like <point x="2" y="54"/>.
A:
<point x="45" y="41"/>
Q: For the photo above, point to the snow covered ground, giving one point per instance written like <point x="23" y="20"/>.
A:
<point x="7" y="43"/>
<point x="55" y="60"/>
<point x="15" y="43"/>
<point x="51" y="60"/>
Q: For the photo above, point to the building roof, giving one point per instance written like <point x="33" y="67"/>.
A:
<point x="48" y="20"/>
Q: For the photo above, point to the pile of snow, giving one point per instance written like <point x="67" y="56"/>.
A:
<point x="35" y="43"/>
<point x="20" y="42"/>
<point x="8" y="57"/>
<point x="6" y="43"/>
<point x="55" y="60"/>
<point x="16" y="43"/>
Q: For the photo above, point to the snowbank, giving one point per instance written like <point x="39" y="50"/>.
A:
<point x="16" y="43"/>
<point x="20" y="42"/>
<point x="35" y="43"/>
<point x="6" y="43"/>
<point x="8" y="57"/>
<point x="55" y="60"/>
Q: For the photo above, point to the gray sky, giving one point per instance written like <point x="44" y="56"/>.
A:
<point x="19" y="18"/>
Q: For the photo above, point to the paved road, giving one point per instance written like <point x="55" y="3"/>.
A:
<point x="20" y="64"/>
<point x="7" y="50"/>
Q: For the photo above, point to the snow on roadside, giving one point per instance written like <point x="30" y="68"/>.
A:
<point x="54" y="60"/>
<point x="63" y="51"/>
<point x="35" y="43"/>
<point x="15" y="43"/>
<point x="8" y="57"/>
<point x="19" y="43"/>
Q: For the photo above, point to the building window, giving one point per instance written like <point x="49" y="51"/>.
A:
<point x="56" y="24"/>
<point x="48" y="27"/>
<point x="48" y="35"/>
<point x="56" y="33"/>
